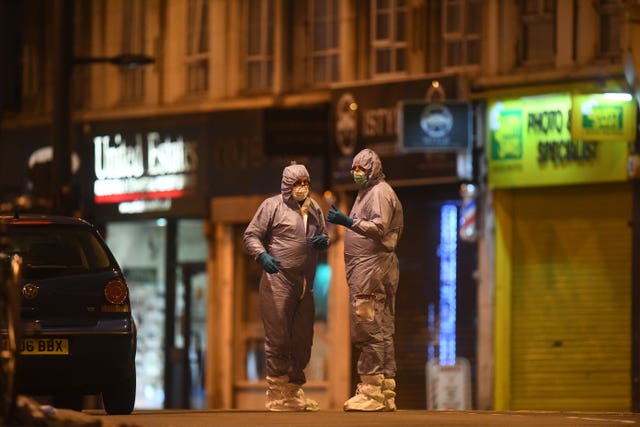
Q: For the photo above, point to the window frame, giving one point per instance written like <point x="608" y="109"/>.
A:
<point x="533" y="20"/>
<point x="392" y="43"/>
<point x="615" y="9"/>
<point x="197" y="47"/>
<point x="132" y="80"/>
<point x="329" y="52"/>
<point x="260" y="35"/>
<point x="464" y="37"/>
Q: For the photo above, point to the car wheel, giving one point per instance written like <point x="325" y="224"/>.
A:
<point x="118" y="399"/>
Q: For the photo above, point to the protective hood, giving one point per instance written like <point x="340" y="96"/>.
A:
<point x="290" y="175"/>
<point x="369" y="160"/>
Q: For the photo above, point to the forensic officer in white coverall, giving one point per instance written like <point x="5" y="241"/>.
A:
<point x="374" y="227"/>
<point x="285" y="235"/>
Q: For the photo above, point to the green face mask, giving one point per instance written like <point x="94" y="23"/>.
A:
<point x="360" y="178"/>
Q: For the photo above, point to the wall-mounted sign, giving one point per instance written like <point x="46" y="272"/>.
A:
<point x="435" y="126"/>
<point x="148" y="166"/>
<point x="367" y="116"/>
<point x="604" y="117"/>
<point x="529" y="144"/>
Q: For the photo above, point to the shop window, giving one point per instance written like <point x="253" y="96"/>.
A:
<point x="133" y="40"/>
<point x="316" y="370"/>
<point x="259" y="54"/>
<point x="197" y="52"/>
<point x="325" y="40"/>
<point x="250" y="332"/>
<point x="191" y="306"/>
<point x="139" y="248"/>
<point x="538" y="36"/>
<point x="461" y="32"/>
<point x="610" y="13"/>
<point x="388" y="36"/>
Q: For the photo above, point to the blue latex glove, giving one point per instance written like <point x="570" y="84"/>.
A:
<point x="320" y="242"/>
<point x="269" y="263"/>
<point x="337" y="217"/>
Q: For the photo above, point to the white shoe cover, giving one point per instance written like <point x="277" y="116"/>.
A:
<point x="295" y="391"/>
<point x="388" y="391"/>
<point x="368" y="397"/>
<point x="283" y="396"/>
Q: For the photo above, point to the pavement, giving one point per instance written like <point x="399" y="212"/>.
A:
<point x="33" y="414"/>
<point x="337" y="418"/>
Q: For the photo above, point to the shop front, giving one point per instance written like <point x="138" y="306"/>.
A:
<point x="149" y="200"/>
<point x="249" y="150"/>
<point x="424" y="137"/>
<point x="557" y="164"/>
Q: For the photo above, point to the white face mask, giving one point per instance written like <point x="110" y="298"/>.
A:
<point x="300" y="193"/>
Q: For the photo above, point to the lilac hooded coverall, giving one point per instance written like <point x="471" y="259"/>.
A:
<point x="286" y="297"/>
<point x="372" y="268"/>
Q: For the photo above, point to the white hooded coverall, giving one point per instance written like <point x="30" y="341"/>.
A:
<point x="286" y="297"/>
<point x="372" y="268"/>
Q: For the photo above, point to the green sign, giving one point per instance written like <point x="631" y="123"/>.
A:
<point x="604" y="117"/>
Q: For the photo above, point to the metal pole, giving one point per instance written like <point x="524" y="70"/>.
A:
<point x="62" y="67"/>
<point x="171" y="357"/>
<point x="186" y="321"/>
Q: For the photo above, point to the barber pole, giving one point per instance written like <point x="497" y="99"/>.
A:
<point x="467" y="225"/>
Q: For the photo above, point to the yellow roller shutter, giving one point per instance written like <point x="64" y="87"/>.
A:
<point x="570" y="298"/>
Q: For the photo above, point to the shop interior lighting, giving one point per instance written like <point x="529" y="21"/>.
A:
<point x="448" y="279"/>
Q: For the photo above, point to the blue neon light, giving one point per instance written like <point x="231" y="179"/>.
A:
<point x="448" y="279"/>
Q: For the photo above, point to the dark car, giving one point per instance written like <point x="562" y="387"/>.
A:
<point x="79" y="334"/>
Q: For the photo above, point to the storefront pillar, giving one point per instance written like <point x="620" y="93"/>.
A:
<point x="219" y="364"/>
<point x="634" y="82"/>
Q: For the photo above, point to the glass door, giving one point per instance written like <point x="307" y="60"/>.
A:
<point x="140" y="247"/>
<point x="190" y="313"/>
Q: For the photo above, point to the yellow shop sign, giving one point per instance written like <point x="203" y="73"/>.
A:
<point x="530" y="144"/>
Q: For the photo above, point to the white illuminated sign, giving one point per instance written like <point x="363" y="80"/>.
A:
<point x="148" y="168"/>
<point x="140" y="206"/>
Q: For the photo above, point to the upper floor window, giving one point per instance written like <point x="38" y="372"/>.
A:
<point x="132" y="79"/>
<point x="388" y="36"/>
<point x="81" y="92"/>
<point x="197" y="52"/>
<point x="259" y="59"/>
<point x="33" y="67"/>
<point x="610" y="12"/>
<point x="538" y="22"/>
<point x="461" y="32"/>
<point x="325" y="40"/>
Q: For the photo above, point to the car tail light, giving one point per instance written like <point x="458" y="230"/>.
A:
<point x="116" y="293"/>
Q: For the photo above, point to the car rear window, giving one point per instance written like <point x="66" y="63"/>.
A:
<point x="58" y="248"/>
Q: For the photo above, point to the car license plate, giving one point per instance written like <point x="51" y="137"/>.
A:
<point x="36" y="346"/>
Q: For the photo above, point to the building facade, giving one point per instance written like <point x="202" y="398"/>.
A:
<point x="517" y="281"/>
